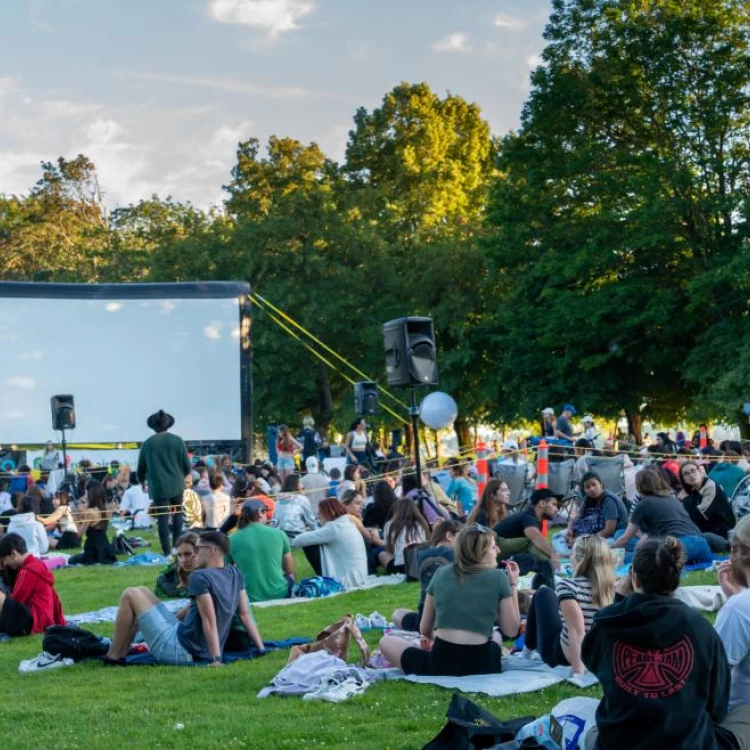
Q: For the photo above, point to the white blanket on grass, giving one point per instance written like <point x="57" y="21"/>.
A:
<point x="706" y="598"/>
<point x="107" y="614"/>
<point x="518" y="676"/>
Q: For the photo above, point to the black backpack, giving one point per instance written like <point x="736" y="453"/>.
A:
<point x="73" y="643"/>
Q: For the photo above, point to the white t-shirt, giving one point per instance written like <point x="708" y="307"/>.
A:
<point x="733" y="627"/>
<point x="5" y="503"/>
<point x="217" y="506"/>
<point x="135" y="499"/>
<point x="402" y="540"/>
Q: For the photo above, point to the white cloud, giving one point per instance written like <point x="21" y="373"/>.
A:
<point x="113" y="306"/>
<point x="21" y="382"/>
<point x="213" y="331"/>
<point x="273" y="16"/>
<point x="455" y="42"/>
<point x="35" y="355"/>
<point x="534" y="61"/>
<point x="506" y="21"/>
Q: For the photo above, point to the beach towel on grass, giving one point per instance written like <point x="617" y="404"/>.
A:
<point x="146" y="659"/>
<point x="518" y="676"/>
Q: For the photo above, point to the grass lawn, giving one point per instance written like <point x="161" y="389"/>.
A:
<point x="93" y="707"/>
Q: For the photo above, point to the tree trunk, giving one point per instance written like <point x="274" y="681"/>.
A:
<point x="323" y="411"/>
<point x="744" y="425"/>
<point x="463" y="433"/>
<point x="635" y="426"/>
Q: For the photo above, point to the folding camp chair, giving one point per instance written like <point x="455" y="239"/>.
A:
<point x="560" y="481"/>
<point x="741" y="498"/>
<point x="611" y="470"/>
<point x="515" y="476"/>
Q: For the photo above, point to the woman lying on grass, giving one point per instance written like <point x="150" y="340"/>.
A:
<point x="463" y="600"/>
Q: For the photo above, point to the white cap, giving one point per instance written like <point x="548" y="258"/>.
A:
<point x="311" y="463"/>
<point x="548" y="410"/>
<point x="510" y="445"/>
<point x="588" y="418"/>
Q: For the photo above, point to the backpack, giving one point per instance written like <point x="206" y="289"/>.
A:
<point x="317" y="586"/>
<point x="74" y="643"/>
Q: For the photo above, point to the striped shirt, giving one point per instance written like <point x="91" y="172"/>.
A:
<point x="578" y="589"/>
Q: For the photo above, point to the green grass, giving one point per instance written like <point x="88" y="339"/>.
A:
<point x="96" y="707"/>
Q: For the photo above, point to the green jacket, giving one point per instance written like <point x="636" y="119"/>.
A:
<point x="164" y="463"/>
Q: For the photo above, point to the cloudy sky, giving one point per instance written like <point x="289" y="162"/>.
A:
<point x="158" y="92"/>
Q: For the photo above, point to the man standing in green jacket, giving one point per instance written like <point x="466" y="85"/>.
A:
<point x="165" y="463"/>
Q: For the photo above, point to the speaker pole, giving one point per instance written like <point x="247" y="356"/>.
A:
<point x="414" y="414"/>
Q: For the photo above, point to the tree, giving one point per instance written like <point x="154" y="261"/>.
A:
<point x="60" y="230"/>
<point x="617" y="195"/>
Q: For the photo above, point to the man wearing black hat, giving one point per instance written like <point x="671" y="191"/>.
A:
<point x="165" y="463"/>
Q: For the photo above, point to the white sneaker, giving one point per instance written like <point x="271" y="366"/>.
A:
<point x="334" y="692"/>
<point x="362" y="622"/>
<point x="377" y="620"/>
<point x="530" y="654"/>
<point x="44" y="661"/>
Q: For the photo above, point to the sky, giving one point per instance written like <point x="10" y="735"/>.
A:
<point x="157" y="93"/>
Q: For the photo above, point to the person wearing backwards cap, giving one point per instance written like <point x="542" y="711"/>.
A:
<point x="164" y="462"/>
<point x="563" y="430"/>
<point x="262" y="554"/>
<point x="733" y="628"/>
<point x="549" y="423"/>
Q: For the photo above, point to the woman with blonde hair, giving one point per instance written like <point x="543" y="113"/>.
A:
<point x="558" y="620"/>
<point x="462" y="603"/>
<point x="493" y="505"/>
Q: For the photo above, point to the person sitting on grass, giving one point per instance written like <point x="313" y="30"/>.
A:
<point x="336" y="549"/>
<point x="707" y="505"/>
<point x="522" y="532"/>
<point x="262" y="554"/>
<point x="558" y="619"/>
<point x="61" y="519"/>
<point x="32" y="604"/>
<point x="217" y="506"/>
<point x="439" y="553"/>
<point x="601" y="513"/>
<point x="26" y="525"/>
<point x="662" y="667"/>
<point x="293" y="513"/>
<point x="216" y="593"/>
<point x="462" y="603"/>
<point x="173" y="581"/>
<point x="406" y="526"/>
<point x="97" y="549"/>
<point x="493" y="505"/>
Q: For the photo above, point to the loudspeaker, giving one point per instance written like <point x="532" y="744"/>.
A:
<point x="366" y="398"/>
<point x="410" y="356"/>
<point x="63" y="412"/>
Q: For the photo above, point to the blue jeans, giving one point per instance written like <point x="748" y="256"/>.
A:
<point x="696" y="549"/>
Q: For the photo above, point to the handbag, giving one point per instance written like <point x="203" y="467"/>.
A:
<point x="470" y="727"/>
<point x="335" y="639"/>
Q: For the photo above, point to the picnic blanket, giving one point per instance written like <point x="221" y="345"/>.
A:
<point x="705" y="598"/>
<point x="146" y="659"/>
<point x="108" y="614"/>
<point x="518" y="676"/>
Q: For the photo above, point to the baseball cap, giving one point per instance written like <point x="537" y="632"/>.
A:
<point x="311" y="463"/>
<point x="543" y="493"/>
<point x="588" y="418"/>
<point x="548" y="410"/>
<point x="742" y="531"/>
<point x="256" y="505"/>
<point x="570" y="408"/>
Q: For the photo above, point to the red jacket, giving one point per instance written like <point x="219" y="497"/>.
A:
<point x="35" y="587"/>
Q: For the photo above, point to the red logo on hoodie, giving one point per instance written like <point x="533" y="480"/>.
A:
<point x="652" y="673"/>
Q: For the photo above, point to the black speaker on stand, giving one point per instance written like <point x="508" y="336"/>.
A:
<point x="64" y="418"/>
<point x="411" y="360"/>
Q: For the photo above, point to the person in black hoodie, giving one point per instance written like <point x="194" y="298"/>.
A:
<point x="662" y="667"/>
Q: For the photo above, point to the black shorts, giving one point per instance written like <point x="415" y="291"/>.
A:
<point x="15" y="619"/>
<point x="410" y="621"/>
<point x="453" y="659"/>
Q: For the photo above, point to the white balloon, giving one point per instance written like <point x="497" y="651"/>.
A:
<point x="438" y="410"/>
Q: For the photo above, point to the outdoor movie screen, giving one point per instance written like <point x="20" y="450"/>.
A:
<point x="123" y="351"/>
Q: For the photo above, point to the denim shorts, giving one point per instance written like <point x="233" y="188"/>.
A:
<point x="159" y="628"/>
<point x="286" y="463"/>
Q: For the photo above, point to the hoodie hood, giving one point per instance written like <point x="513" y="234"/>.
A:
<point x="34" y="566"/>
<point x="639" y="620"/>
<point x="22" y="519"/>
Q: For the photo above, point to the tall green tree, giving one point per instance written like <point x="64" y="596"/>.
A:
<point x="615" y="198"/>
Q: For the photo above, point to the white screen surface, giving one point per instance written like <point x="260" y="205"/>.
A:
<point x="122" y="360"/>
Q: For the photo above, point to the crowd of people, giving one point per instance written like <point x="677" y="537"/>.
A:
<point x="231" y="529"/>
